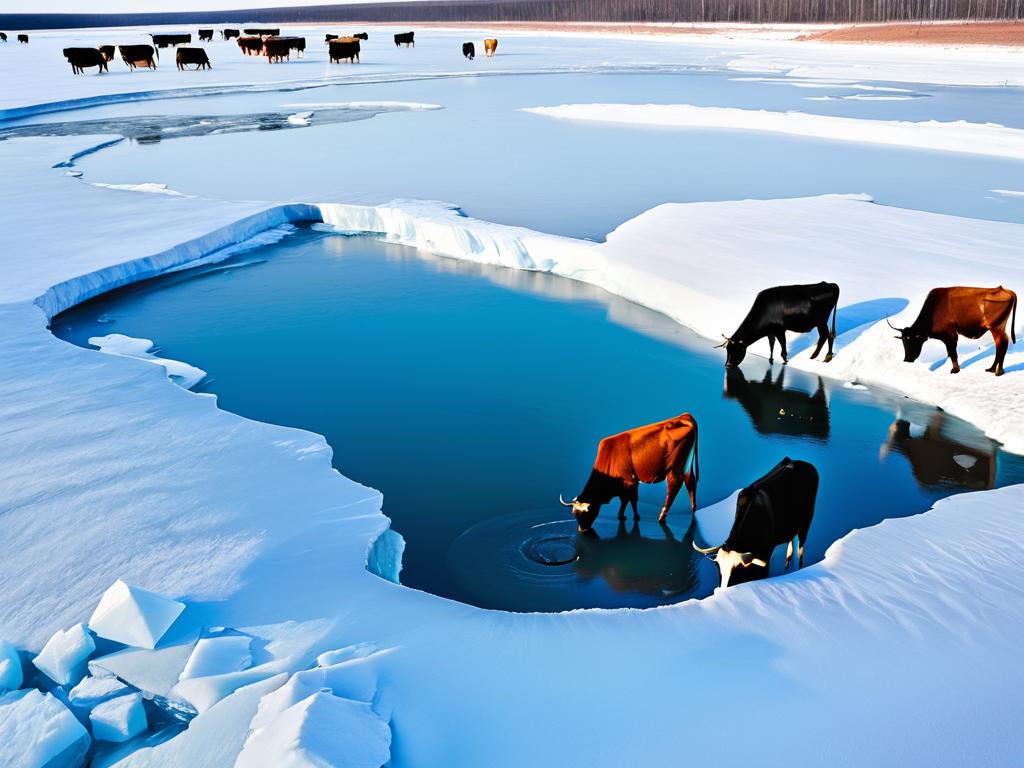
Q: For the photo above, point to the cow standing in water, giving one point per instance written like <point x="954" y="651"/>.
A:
<point x="647" y="454"/>
<point x="949" y="313"/>
<point x="799" y="308"/>
<point x="772" y="510"/>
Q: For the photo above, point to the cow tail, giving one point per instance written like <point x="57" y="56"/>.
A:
<point x="695" y="464"/>
<point x="835" y="309"/>
<point x="1013" y="321"/>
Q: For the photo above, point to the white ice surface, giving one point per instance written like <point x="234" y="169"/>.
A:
<point x="954" y="136"/>
<point x="218" y="655"/>
<point x="129" y="477"/>
<point x="37" y="731"/>
<point x="95" y="690"/>
<point x="11" y="674"/>
<point x="182" y="374"/>
<point x="63" y="658"/>
<point x="154" y="673"/>
<point x="118" y="719"/>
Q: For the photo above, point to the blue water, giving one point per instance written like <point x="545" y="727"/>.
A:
<point x="473" y="396"/>
<point x="578" y="179"/>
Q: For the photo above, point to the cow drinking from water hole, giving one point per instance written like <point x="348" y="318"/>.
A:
<point x="799" y="308"/>
<point x="647" y="454"/>
<point x="80" y="58"/>
<point x="406" y="39"/>
<point x="773" y="510"/>
<point x="952" y="312"/>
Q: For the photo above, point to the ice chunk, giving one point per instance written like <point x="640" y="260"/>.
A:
<point x="218" y="656"/>
<point x="182" y="374"/>
<point x="95" y="690"/>
<point x="715" y="521"/>
<point x="65" y="655"/>
<point x="36" y="730"/>
<point x="152" y="672"/>
<point x="201" y="693"/>
<point x="358" y="651"/>
<point x="11" y="676"/>
<point x="134" y="616"/>
<point x="322" y="729"/>
<point x="119" y="719"/>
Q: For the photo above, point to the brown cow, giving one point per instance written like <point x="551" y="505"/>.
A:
<point x="251" y="46"/>
<point x="197" y="56"/>
<point x="280" y="48"/>
<point x="643" y="455"/>
<point x="80" y="58"/>
<point x="343" y="48"/>
<point x="952" y="312"/>
<point x="137" y="56"/>
<point x="490" y="46"/>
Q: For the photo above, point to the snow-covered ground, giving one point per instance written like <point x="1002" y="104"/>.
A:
<point x="109" y="471"/>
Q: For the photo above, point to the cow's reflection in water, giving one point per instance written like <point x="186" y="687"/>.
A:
<point x="775" y="410"/>
<point x="943" y="452"/>
<point x="630" y="562"/>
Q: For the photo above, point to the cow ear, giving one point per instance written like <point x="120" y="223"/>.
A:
<point x="746" y="558"/>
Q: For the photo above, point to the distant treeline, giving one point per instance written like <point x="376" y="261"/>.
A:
<point x="621" y="11"/>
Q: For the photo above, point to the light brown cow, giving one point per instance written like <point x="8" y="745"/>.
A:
<point x="490" y="46"/>
<point x="949" y="313"/>
<point x="647" y="454"/>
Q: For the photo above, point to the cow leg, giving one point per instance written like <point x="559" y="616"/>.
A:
<point x="771" y="349"/>
<point x="950" y="342"/>
<point x="623" y="501"/>
<point x="782" y="347"/>
<point x="801" y="540"/>
<point x="822" y="336"/>
<point x="674" y="484"/>
<point x="789" y="554"/>
<point x="1002" y="343"/>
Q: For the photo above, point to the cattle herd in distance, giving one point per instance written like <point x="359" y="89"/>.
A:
<point x="778" y="507"/>
<point x="253" y="41"/>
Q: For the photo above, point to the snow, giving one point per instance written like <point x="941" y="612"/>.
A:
<point x="955" y="136"/>
<point x="11" y="674"/>
<point x="95" y="690"/>
<point x="182" y="374"/>
<point x="129" y="614"/>
<point x="63" y="658"/>
<point x="37" y="731"/>
<point x="118" y="719"/>
<point x="320" y="730"/>
<point x="218" y="655"/>
<point x="128" y="477"/>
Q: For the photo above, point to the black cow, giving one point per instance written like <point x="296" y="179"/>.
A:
<point x="192" y="56"/>
<point x="107" y="51"/>
<point x="167" y="41"/>
<point x="80" y="58"/>
<point x="773" y="510"/>
<point x="137" y="56"/>
<point x="263" y="31"/>
<point x="22" y="38"/>
<point x="799" y="308"/>
<point x="361" y="36"/>
<point x="405" y="38"/>
<point x="343" y="48"/>
<point x="229" y="33"/>
<point x="469" y="51"/>
<point x="206" y="34"/>
<point x="329" y="37"/>
<point x="3" y="37"/>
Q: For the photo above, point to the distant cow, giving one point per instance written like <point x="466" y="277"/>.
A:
<point x="343" y="48"/>
<point x="329" y="37"/>
<point x="952" y="312"/>
<point x="166" y="41"/>
<point x="263" y="31"/>
<point x="206" y="34"/>
<point x="80" y="58"/>
<point x="277" y="48"/>
<point x="773" y="510"/>
<point x="227" y="33"/>
<point x="3" y="37"/>
<point x="361" y="35"/>
<point x="22" y="38"/>
<point x="799" y="308"/>
<point x="490" y="46"/>
<point x="469" y="51"/>
<point x="251" y="46"/>
<point x="647" y="454"/>
<point x="107" y="51"/>
<point x="405" y="38"/>
<point x="192" y="56"/>
<point x="137" y="56"/>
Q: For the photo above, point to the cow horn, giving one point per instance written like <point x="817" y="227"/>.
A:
<point x="891" y="325"/>
<point x="564" y="502"/>
<point x="707" y="551"/>
<point x="724" y="343"/>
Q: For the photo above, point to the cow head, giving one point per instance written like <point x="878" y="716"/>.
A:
<point x="913" y="340"/>
<point x="727" y="557"/>
<point x="735" y="351"/>
<point x="585" y="512"/>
